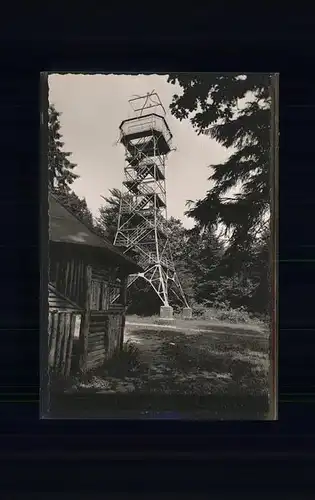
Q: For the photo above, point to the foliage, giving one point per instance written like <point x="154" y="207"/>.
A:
<point x="180" y="247"/>
<point x="61" y="175"/>
<point x="204" y="253"/>
<point x="108" y="218"/>
<point x="109" y="213"/>
<point x="60" y="168"/>
<point x="215" y="105"/>
<point x="124" y="361"/>
<point x="77" y="206"/>
<point x="141" y="298"/>
<point x="222" y="311"/>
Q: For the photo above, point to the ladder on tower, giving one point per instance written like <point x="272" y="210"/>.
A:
<point x="133" y="237"/>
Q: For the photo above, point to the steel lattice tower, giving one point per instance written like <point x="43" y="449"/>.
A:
<point x="142" y="230"/>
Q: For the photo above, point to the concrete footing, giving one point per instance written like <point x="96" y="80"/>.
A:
<point x="187" y="313"/>
<point x="166" y="315"/>
<point x="166" y="312"/>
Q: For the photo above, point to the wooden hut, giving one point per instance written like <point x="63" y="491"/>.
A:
<point x="85" y="272"/>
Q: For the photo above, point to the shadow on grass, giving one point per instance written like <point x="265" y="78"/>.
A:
<point x="200" y="365"/>
<point x="228" y="373"/>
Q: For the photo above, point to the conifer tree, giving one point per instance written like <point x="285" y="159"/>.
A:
<point x="233" y="109"/>
<point x="60" y="168"/>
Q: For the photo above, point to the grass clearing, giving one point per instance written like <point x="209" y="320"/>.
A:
<point x="221" y="371"/>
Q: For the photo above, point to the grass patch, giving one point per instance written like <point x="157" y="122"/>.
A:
<point x="199" y="364"/>
<point x="221" y="373"/>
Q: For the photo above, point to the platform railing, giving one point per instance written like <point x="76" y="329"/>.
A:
<point x="145" y="124"/>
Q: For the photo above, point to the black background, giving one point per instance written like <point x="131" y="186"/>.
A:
<point x="152" y="456"/>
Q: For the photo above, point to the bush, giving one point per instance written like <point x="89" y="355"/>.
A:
<point x="222" y="312"/>
<point x="129" y="353"/>
<point x="126" y="360"/>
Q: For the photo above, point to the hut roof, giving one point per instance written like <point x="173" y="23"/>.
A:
<point x="65" y="227"/>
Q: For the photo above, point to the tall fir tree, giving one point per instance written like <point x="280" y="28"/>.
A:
<point x="60" y="168"/>
<point x="234" y="109"/>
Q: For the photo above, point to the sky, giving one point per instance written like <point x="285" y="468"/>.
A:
<point x="92" y="108"/>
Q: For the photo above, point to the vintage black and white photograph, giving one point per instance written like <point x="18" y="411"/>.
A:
<point x="161" y="256"/>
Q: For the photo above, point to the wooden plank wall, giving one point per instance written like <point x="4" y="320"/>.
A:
<point x="114" y="332"/>
<point x="105" y="320"/>
<point x="98" y="340"/>
<point x="104" y="336"/>
<point x="102" y="322"/>
<point x="61" y="328"/>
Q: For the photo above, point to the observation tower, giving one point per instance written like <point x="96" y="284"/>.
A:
<point x="142" y="230"/>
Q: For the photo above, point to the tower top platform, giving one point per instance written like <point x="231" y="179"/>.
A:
<point x="148" y="124"/>
<point x="152" y="127"/>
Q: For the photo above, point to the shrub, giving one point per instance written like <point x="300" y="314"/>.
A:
<point x="126" y="360"/>
<point x="222" y="312"/>
<point x="129" y="352"/>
